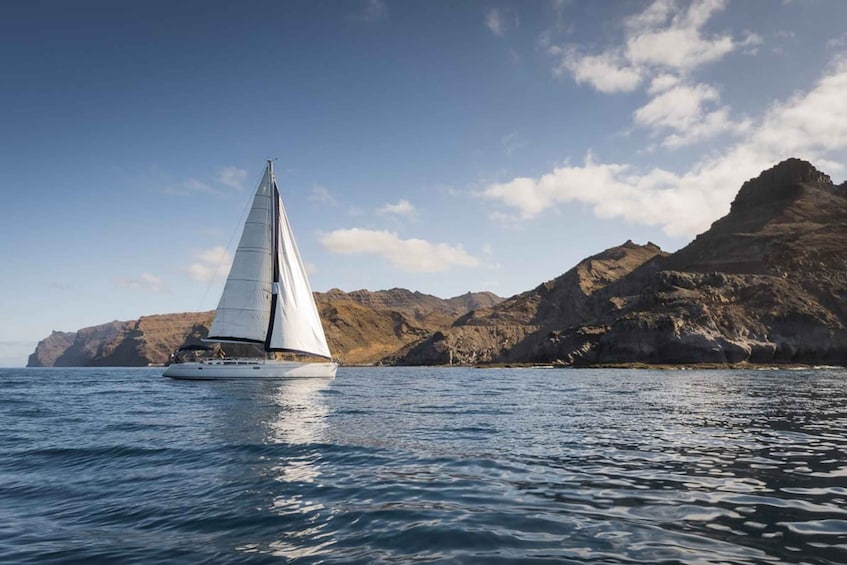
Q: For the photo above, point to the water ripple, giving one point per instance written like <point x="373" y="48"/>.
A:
<point x="425" y="465"/>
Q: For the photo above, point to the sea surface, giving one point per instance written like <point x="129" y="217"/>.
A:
<point x="410" y="465"/>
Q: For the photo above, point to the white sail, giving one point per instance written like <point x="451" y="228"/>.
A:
<point x="266" y="300"/>
<point x="296" y="323"/>
<point x="243" y="312"/>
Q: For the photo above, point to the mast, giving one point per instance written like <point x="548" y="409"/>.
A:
<point x="274" y="253"/>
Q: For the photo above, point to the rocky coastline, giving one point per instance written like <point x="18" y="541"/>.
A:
<point x="766" y="285"/>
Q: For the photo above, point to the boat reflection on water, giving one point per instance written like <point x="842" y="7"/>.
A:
<point x="297" y="423"/>
<point x="300" y="411"/>
<point x="299" y="420"/>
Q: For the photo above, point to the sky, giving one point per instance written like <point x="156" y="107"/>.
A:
<point x="443" y="147"/>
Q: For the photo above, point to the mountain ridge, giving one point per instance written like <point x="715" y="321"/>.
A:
<point x="765" y="284"/>
<point x="362" y="327"/>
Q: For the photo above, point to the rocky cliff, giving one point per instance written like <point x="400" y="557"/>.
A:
<point x="508" y="331"/>
<point x="765" y="284"/>
<point x="50" y="349"/>
<point x="412" y="304"/>
<point x="362" y="327"/>
<point x="136" y="343"/>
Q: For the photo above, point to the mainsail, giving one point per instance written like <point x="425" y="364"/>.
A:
<point x="267" y="298"/>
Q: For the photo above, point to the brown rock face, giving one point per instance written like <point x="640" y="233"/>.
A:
<point x="766" y="284"/>
<point x="515" y="329"/>
<point x="358" y="334"/>
<point x="412" y="304"/>
<point x="788" y="218"/>
<point x="151" y="339"/>
<point x="92" y="343"/>
<point x="362" y="327"/>
<point x="148" y="340"/>
<point x="512" y="330"/>
<point x="51" y="348"/>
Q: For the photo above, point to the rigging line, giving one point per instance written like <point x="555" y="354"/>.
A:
<point x="216" y="271"/>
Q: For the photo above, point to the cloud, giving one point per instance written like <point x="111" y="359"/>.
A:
<point x="679" y="44"/>
<point x="146" y="282"/>
<point x="664" y="37"/>
<point x="188" y="187"/>
<point x="605" y="72"/>
<point x="401" y="208"/>
<point x="233" y="177"/>
<point x="512" y="142"/>
<point x="662" y="82"/>
<point x="681" y="109"/>
<point x="494" y="22"/>
<point x="500" y="21"/>
<point x="410" y="255"/>
<point x="372" y="11"/>
<point x="230" y="177"/>
<point x="810" y="125"/>
<point x="706" y="127"/>
<point x="661" y="46"/>
<point x="838" y="44"/>
<point x="322" y="195"/>
<point x="209" y="264"/>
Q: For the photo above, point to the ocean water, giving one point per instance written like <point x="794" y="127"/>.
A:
<point x="389" y="465"/>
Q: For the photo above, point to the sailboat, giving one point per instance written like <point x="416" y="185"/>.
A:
<point x="267" y="302"/>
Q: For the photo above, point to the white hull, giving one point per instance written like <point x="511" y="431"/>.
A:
<point x="249" y="369"/>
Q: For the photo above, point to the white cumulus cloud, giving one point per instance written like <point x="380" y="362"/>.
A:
<point x="664" y="37"/>
<point x="810" y="125"/>
<point x="401" y="208"/>
<point x="411" y="255"/>
<point x="682" y="111"/>
<point x="667" y="34"/>
<point x="661" y="47"/>
<point x="606" y="72"/>
<point x="663" y="82"/>
<point x="676" y="108"/>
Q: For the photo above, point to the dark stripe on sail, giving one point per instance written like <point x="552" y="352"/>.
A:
<point x="267" y="342"/>
<point x="276" y="230"/>
<point x="274" y="258"/>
